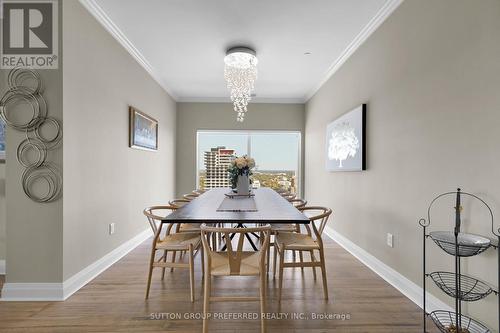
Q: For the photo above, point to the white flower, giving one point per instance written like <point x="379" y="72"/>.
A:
<point x="241" y="163"/>
<point x="233" y="162"/>
<point x="251" y="163"/>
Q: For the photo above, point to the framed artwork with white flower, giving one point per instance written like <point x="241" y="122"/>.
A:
<point x="345" y="141"/>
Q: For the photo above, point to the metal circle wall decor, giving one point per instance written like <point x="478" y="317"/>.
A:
<point x="33" y="144"/>
<point x="47" y="173"/>
<point x="37" y="106"/>
<point x="53" y="142"/>
<point x="18" y="77"/>
<point x="25" y="88"/>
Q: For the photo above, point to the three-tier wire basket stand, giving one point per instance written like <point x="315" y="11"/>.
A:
<point x="462" y="288"/>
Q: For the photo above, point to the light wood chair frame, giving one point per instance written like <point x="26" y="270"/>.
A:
<point x="183" y="227"/>
<point x="190" y="196"/>
<point x="322" y="220"/>
<point x="297" y="203"/>
<point x="199" y="192"/>
<point x="162" y="262"/>
<point x="289" y="196"/>
<point x="178" y="203"/>
<point x="234" y="258"/>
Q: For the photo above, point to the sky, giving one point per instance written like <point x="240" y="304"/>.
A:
<point x="271" y="151"/>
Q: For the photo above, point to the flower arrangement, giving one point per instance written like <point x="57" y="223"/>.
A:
<point x="240" y="166"/>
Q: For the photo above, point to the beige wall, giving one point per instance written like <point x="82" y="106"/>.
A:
<point x="2" y="212"/>
<point x="431" y="78"/>
<point x="220" y="116"/>
<point x="105" y="181"/>
<point x="34" y="243"/>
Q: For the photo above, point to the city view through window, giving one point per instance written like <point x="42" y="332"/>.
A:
<point x="276" y="154"/>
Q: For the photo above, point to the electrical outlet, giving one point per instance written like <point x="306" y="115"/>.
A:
<point x="111" y="228"/>
<point x="390" y="240"/>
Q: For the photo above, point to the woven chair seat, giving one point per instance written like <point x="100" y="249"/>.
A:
<point x="295" y="241"/>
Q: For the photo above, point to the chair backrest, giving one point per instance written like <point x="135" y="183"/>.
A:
<point x="199" y="191"/>
<point x="190" y="196"/>
<point x="156" y="214"/>
<point x="178" y="203"/>
<point x="319" y="217"/>
<point x="289" y="196"/>
<point x="298" y="203"/>
<point x="235" y="255"/>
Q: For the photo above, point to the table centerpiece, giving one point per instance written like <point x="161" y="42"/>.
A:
<point x="239" y="174"/>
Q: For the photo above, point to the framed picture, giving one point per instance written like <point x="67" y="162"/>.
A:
<point x="345" y="141"/>
<point x="143" y="130"/>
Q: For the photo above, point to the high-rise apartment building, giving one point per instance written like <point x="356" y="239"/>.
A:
<point x="217" y="161"/>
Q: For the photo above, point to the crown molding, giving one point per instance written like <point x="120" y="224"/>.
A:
<point x="96" y="11"/>
<point x="257" y="100"/>
<point x="365" y="33"/>
<point x="112" y="28"/>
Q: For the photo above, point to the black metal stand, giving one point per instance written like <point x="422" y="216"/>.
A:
<point x="458" y="313"/>
<point x="461" y="287"/>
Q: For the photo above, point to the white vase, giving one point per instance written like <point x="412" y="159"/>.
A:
<point x="243" y="185"/>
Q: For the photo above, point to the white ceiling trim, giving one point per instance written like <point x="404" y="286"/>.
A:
<point x="256" y="100"/>
<point x="113" y="29"/>
<point x="365" y="33"/>
<point x="369" y="29"/>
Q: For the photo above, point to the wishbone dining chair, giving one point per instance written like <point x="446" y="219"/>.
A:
<point x="234" y="262"/>
<point x="310" y="242"/>
<point x="186" y="241"/>
<point x="284" y="227"/>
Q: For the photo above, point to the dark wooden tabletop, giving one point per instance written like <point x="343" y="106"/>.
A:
<point x="271" y="208"/>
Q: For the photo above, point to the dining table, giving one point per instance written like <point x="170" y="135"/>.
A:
<point x="220" y="205"/>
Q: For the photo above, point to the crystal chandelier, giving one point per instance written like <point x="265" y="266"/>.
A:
<point x="240" y="73"/>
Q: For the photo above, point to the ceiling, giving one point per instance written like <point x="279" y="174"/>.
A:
<point x="182" y="43"/>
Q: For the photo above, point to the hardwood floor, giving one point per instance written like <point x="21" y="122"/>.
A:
<point x="114" y="302"/>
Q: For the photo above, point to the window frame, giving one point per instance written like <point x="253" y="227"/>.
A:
<point x="249" y="148"/>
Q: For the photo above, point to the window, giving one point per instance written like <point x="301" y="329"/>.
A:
<point x="2" y="140"/>
<point x="276" y="154"/>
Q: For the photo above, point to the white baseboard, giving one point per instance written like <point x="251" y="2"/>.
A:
<point x="80" y="279"/>
<point x="61" y="291"/>
<point x="408" y="288"/>
<point x="2" y="267"/>
<point x="32" y="292"/>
